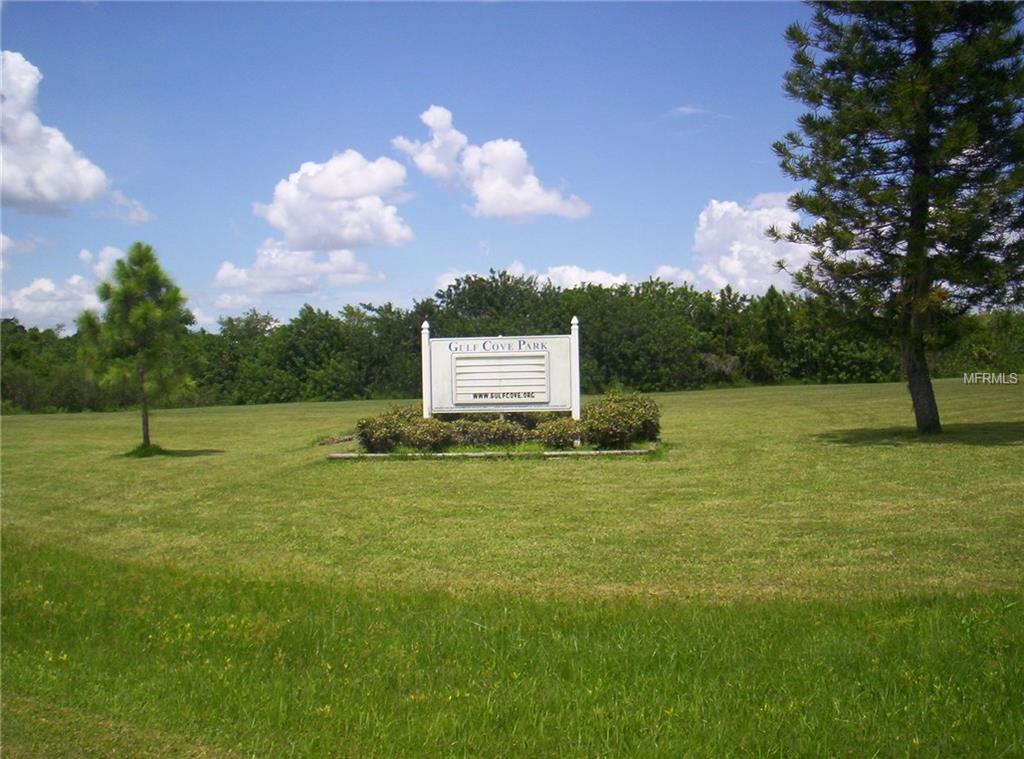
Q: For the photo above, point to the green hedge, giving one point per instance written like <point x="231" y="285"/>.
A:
<point x="488" y="432"/>
<point x="616" y="420"/>
<point x="560" y="432"/>
<point x="380" y="434"/>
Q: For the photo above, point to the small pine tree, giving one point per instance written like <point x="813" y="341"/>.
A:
<point x="138" y="341"/>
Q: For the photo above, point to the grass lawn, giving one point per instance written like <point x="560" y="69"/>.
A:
<point x="796" y="574"/>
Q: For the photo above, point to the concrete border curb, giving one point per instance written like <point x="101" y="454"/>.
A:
<point x="490" y="454"/>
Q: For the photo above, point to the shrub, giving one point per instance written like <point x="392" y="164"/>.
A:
<point x="561" y="432"/>
<point x="721" y="368"/>
<point x="6" y="408"/>
<point x="529" y="420"/>
<point x="403" y="425"/>
<point x="487" y="432"/>
<point x="618" y="419"/>
<point x="613" y="421"/>
<point x="380" y="434"/>
<point x="427" y="434"/>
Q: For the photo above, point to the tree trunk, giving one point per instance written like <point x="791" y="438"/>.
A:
<point x="145" y="409"/>
<point x="918" y="275"/>
<point x="919" y="382"/>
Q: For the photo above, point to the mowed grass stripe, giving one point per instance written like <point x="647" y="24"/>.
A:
<point x="279" y="668"/>
<point x="803" y="492"/>
<point x="796" y="573"/>
<point x="38" y="729"/>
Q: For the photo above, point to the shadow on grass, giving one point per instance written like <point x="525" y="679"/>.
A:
<point x="148" y="451"/>
<point x="976" y="433"/>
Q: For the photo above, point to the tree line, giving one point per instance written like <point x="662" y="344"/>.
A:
<point x="910" y="157"/>
<point x="651" y="336"/>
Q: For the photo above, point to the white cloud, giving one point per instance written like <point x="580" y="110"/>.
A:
<point x="732" y="248"/>
<point x="696" y="110"/>
<point x="438" y="158"/>
<point x="338" y="204"/>
<point x="498" y="173"/>
<point x="229" y="275"/>
<point x="322" y="209"/>
<point x="278" y="269"/>
<point x="7" y="245"/>
<point x="202" y="318"/>
<point x="675" y="274"/>
<point x="566" y="276"/>
<point x="441" y="281"/>
<point x="129" y="210"/>
<point x="101" y="263"/>
<point x="504" y="184"/>
<point x="25" y="245"/>
<point x="42" y="170"/>
<point x="575" y="276"/>
<point x="43" y="303"/>
<point x="772" y="200"/>
<point x="518" y="269"/>
<point x="234" y="301"/>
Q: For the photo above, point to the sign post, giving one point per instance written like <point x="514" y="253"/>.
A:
<point x="425" y="360"/>
<point x="498" y="374"/>
<point x="574" y="378"/>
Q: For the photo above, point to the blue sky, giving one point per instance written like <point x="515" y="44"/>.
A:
<point x="276" y="154"/>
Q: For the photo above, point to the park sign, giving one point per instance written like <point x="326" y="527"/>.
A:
<point x="493" y="374"/>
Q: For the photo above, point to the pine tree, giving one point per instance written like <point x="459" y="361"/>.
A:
<point x="138" y="342"/>
<point x="912" y="151"/>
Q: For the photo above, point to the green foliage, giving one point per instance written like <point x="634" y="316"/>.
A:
<point x="229" y="360"/>
<point x="614" y="421"/>
<point x="560" y="432"/>
<point x="910" y="154"/>
<point x="618" y="420"/>
<point x="528" y="420"/>
<point x="427" y="434"/>
<point x="989" y="342"/>
<point x="139" y="341"/>
<point x="487" y="432"/>
<point x="499" y="304"/>
<point x="42" y="371"/>
<point x="721" y="369"/>
<point x="405" y="426"/>
<point x="8" y="409"/>
<point x="381" y="434"/>
<point x="648" y="337"/>
<point x="913" y="146"/>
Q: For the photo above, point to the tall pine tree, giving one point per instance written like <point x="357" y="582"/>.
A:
<point x="912" y="154"/>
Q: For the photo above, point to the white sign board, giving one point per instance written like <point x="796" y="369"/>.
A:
<point x="487" y="374"/>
